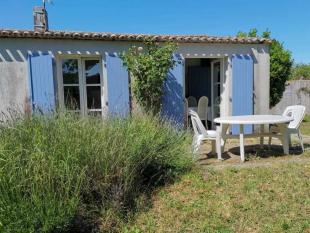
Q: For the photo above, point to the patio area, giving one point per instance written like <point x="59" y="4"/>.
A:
<point x="255" y="155"/>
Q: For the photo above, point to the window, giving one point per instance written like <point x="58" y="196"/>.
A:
<point x="81" y="85"/>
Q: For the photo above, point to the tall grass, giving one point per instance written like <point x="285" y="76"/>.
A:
<point x="62" y="173"/>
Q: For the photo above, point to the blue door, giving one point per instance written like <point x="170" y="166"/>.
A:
<point x="173" y="94"/>
<point x="41" y="83"/>
<point x="118" y="86"/>
<point x="242" y="89"/>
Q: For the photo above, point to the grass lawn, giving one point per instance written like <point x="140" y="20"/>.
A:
<point x="275" y="198"/>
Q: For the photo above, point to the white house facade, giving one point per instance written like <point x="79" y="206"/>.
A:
<point x="44" y="69"/>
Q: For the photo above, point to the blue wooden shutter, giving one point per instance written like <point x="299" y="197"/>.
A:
<point x="242" y="89"/>
<point x="118" y="86"/>
<point x="173" y="93"/>
<point x="42" y="91"/>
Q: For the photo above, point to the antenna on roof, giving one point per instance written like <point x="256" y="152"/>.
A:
<point x="47" y="1"/>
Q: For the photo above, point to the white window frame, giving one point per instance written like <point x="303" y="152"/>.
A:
<point x="82" y="83"/>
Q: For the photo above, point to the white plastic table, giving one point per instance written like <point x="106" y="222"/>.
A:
<point x="254" y="120"/>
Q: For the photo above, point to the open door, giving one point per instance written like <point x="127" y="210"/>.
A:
<point x="216" y="88"/>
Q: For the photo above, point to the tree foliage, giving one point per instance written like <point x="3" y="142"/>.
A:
<point x="280" y="65"/>
<point x="301" y="71"/>
<point x="148" y="67"/>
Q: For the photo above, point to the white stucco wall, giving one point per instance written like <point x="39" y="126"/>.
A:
<point x="14" y="67"/>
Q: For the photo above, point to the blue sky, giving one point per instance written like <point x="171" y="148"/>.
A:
<point x="287" y="19"/>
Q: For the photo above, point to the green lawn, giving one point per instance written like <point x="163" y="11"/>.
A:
<point x="275" y="198"/>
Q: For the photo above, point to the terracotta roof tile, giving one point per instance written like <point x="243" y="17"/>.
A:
<point x="7" y="33"/>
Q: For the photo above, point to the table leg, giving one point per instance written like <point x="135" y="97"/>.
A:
<point x="285" y="139"/>
<point x="223" y="132"/>
<point x="261" y="138"/>
<point x="241" y="143"/>
<point x="218" y="147"/>
<point x="213" y="151"/>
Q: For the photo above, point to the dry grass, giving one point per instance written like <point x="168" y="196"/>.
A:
<point x="273" y="199"/>
<point x="269" y="193"/>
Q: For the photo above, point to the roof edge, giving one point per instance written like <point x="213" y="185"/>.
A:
<point x="104" y="36"/>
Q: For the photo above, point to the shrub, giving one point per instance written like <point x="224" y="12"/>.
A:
<point x="280" y="65"/>
<point x="62" y="172"/>
<point x="149" y="67"/>
<point x="280" y="70"/>
<point x="301" y="71"/>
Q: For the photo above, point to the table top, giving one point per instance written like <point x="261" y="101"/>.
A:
<point x="253" y="119"/>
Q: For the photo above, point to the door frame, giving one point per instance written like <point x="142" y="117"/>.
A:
<point x="221" y="61"/>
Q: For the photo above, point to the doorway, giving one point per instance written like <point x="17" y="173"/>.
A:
<point x="203" y="77"/>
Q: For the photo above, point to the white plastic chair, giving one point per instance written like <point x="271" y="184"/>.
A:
<point x="297" y="112"/>
<point x="201" y="135"/>
<point x="203" y="108"/>
<point x="192" y="102"/>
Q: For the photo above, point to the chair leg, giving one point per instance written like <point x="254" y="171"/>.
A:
<point x="223" y="142"/>
<point x="196" y="145"/>
<point x="301" y="141"/>
<point x="269" y="142"/>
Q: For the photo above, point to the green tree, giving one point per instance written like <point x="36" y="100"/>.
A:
<point x="301" y="71"/>
<point x="253" y="32"/>
<point x="148" y="67"/>
<point x="280" y="64"/>
<point x="242" y="34"/>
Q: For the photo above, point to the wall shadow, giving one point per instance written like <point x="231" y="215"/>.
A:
<point x="172" y="101"/>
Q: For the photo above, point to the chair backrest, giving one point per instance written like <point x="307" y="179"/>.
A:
<point x="197" y="124"/>
<point x="297" y="112"/>
<point x="203" y="107"/>
<point x="192" y="102"/>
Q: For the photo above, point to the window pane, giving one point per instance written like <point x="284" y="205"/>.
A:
<point x="92" y="71"/>
<point x="72" y="98"/>
<point x="70" y="71"/>
<point x="94" y="97"/>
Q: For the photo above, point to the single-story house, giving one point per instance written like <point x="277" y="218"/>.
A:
<point x="47" y="68"/>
